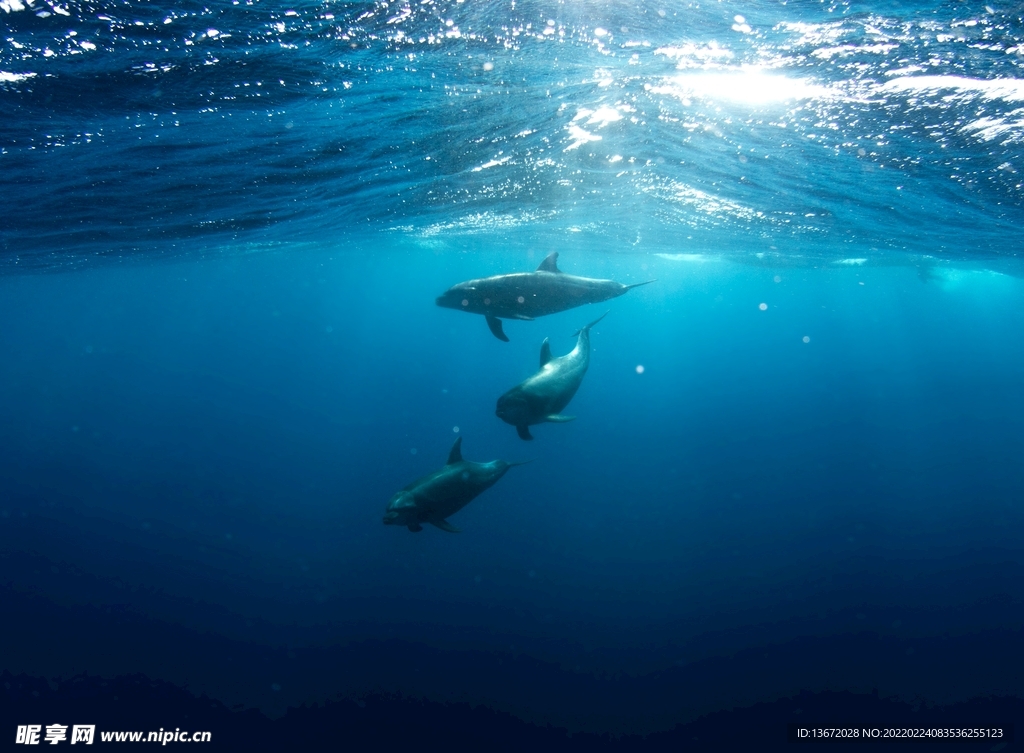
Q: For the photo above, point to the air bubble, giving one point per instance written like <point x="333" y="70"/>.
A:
<point x="639" y="368"/>
<point x="806" y="339"/>
<point x="763" y="306"/>
<point x="455" y="429"/>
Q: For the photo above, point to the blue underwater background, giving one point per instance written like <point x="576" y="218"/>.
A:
<point x="793" y="492"/>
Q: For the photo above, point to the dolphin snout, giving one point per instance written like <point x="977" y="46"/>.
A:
<point x="502" y="410"/>
<point x="448" y="300"/>
<point x="511" y="409"/>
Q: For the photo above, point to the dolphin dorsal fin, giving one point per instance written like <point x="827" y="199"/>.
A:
<point x="545" y="353"/>
<point x="550" y="264"/>
<point x="455" y="455"/>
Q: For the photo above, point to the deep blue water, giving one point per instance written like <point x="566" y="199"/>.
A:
<point x="797" y="459"/>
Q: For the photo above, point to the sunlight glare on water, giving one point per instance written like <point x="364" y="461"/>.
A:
<point x="447" y="117"/>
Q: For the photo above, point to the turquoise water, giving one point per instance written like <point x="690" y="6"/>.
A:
<point x="796" y="462"/>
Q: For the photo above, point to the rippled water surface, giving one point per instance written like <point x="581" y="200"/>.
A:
<point x="791" y="127"/>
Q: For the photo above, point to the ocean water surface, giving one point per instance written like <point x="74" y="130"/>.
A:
<point x="796" y="464"/>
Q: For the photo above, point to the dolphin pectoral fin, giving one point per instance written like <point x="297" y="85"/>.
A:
<point x="557" y="419"/>
<point x="524" y="432"/>
<point x="495" y="324"/>
<point x="415" y="527"/>
<point x="444" y="525"/>
<point x="545" y="353"/>
<point x="550" y="263"/>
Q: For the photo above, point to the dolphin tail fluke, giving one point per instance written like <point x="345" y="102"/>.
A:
<point x="444" y="525"/>
<point x="638" y="284"/>
<point x="495" y="325"/>
<point x="587" y="328"/>
<point x="558" y="419"/>
<point x="524" y="433"/>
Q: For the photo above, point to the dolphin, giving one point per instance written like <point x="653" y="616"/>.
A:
<point x="443" y="493"/>
<point x="525" y="295"/>
<point x="542" y="396"/>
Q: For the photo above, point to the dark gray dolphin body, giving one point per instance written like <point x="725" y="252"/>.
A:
<point x="526" y="295"/>
<point x="433" y="498"/>
<point x="541" y="397"/>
